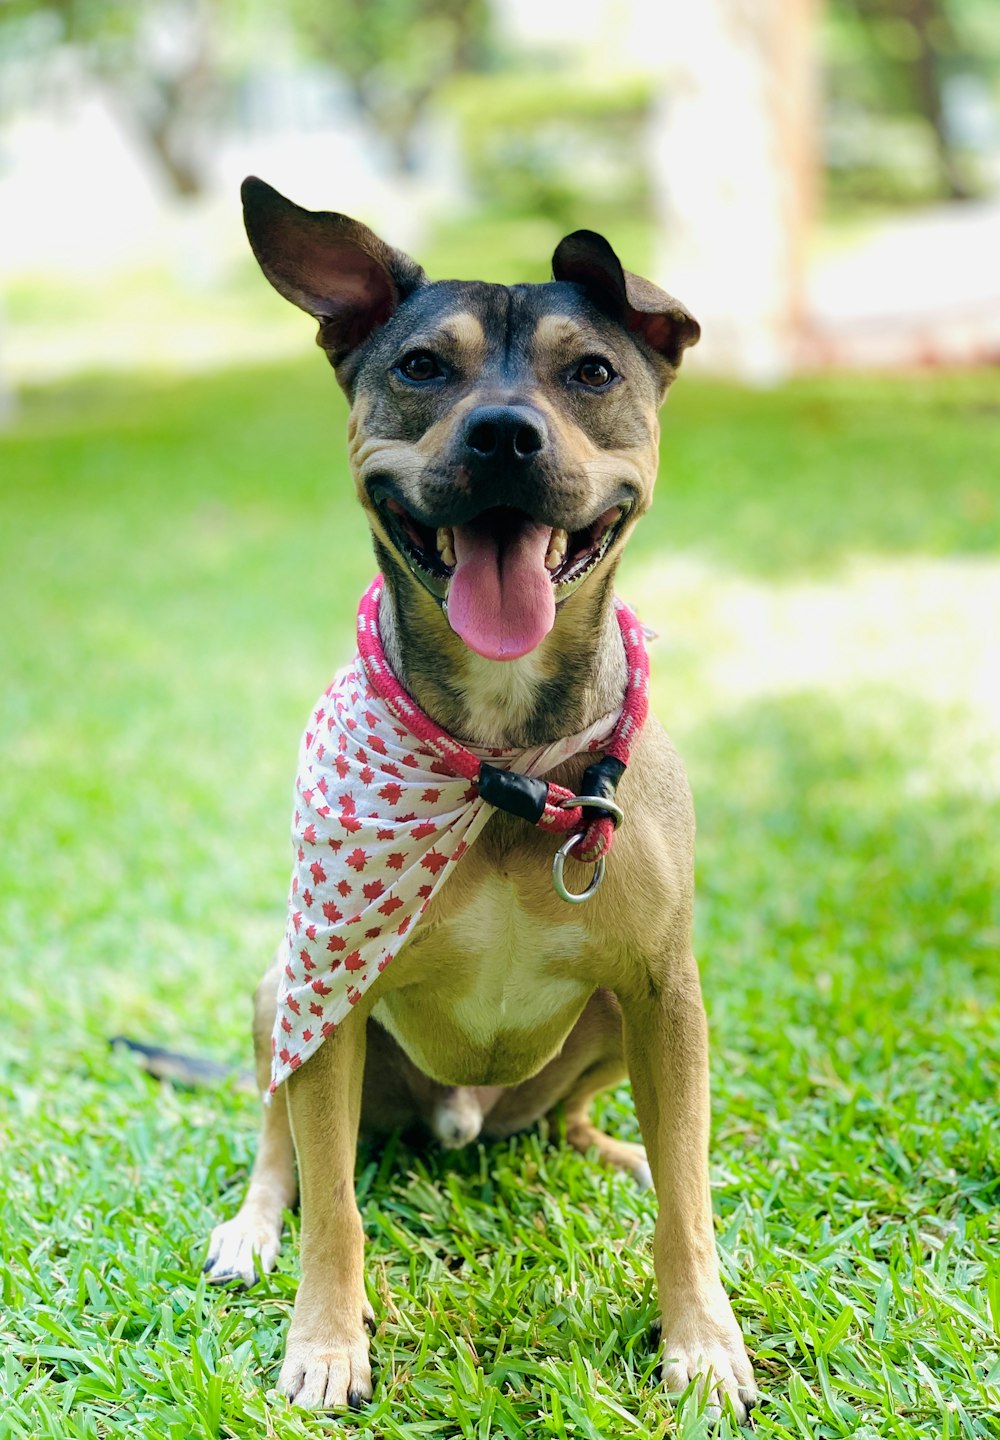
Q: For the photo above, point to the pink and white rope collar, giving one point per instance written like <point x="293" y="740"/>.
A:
<point x="552" y="812"/>
<point x="386" y="806"/>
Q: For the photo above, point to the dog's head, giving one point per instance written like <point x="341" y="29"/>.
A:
<point x="503" y="439"/>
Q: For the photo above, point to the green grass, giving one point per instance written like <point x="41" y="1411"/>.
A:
<point x="179" y="568"/>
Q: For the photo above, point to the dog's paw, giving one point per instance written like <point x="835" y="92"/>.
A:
<point x="702" y="1342"/>
<point x="329" y="1374"/>
<point x="241" y="1250"/>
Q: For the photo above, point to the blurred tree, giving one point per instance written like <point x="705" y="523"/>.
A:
<point x="908" y="52"/>
<point x="394" y="56"/>
<point x="156" y="58"/>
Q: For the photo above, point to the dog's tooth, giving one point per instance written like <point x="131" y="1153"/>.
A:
<point x="446" y="545"/>
<point x="556" y="552"/>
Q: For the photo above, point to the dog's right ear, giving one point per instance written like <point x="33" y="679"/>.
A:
<point x="329" y="265"/>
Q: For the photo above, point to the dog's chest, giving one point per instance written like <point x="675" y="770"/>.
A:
<point x="490" y="993"/>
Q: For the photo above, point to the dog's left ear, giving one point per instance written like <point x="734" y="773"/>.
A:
<point x="586" y="259"/>
<point x="331" y="266"/>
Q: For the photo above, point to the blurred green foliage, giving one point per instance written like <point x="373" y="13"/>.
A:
<point x="913" y="97"/>
<point x="540" y="144"/>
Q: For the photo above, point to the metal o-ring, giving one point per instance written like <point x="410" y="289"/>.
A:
<point x="594" y="802"/>
<point x="559" y="884"/>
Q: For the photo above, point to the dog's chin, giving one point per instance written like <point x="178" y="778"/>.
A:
<point x="501" y="575"/>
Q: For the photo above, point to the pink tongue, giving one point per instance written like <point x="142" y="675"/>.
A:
<point x="500" y="600"/>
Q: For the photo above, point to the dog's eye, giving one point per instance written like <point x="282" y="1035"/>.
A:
<point x="594" y="372"/>
<point x="419" y="365"/>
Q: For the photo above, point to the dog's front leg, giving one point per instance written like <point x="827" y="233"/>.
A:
<point x="667" y="1051"/>
<point x="326" y="1358"/>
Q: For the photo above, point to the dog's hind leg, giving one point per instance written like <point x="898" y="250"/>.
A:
<point x="243" y="1248"/>
<point x="592" y="1059"/>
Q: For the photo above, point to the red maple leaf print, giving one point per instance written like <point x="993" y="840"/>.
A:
<point x="318" y="714"/>
<point x="351" y="825"/>
<point x="391" y="769"/>
<point x="309" y="834"/>
<point x="362" y="757"/>
<point x="353" y="995"/>
<point x="430" y="796"/>
<point x="286" y="1024"/>
<point x="290" y="973"/>
<point x="353" y="961"/>
<point x="403" y="925"/>
<point x="387" y="834"/>
<point x="315" y="1008"/>
<point x="391" y="792"/>
<point x="284" y="1056"/>
<point x="367" y="774"/>
<point x="333" y="844"/>
<point x="425" y="828"/>
<point x="373" y="933"/>
<point x="320" y="988"/>
<point x="309" y="739"/>
<point x="293" y="1005"/>
<point x="295" y="1062"/>
<point x="395" y="860"/>
<point x="405" y="819"/>
<point x="411" y="760"/>
<point x="377" y="744"/>
<point x="317" y="872"/>
<point x="438" y="767"/>
<point x="425" y="892"/>
<point x="307" y="898"/>
<point x="344" y="887"/>
<point x="331" y="913"/>
<point x="323" y="811"/>
<point x="343" y="767"/>
<point x="373" y="889"/>
<point x="328" y="1028"/>
<point x="434" y="861"/>
<point x="321" y="785"/>
<point x="310" y="932"/>
<point x="297" y="920"/>
<point x="304" y="956"/>
<point x="335" y="943"/>
<point x="391" y="903"/>
<point x="358" y="859"/>
<point x="307" y="1035"/>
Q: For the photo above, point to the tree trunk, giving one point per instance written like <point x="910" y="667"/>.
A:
<point x="735" y="166"/>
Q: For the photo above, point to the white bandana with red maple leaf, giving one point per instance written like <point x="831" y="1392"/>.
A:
<point x="380" y="823"/>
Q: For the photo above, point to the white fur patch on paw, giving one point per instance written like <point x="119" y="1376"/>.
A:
<point x="241" y="1250"/>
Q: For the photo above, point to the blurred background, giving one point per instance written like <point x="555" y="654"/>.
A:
<point x="818" y="179"/>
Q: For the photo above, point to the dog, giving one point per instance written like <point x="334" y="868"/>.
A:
<point x="503" y="443"/>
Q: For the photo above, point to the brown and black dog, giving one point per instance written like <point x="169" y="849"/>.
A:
<point x="481" y="415"/>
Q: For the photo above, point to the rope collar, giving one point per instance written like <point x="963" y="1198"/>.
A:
<point x="551" y="807"/>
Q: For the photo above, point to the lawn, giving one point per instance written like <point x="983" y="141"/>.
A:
<point x="180" y="563"/>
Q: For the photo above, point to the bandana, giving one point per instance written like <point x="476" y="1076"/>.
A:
<point x="385" y="808"/>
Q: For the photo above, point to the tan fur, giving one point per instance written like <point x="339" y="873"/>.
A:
<point x="507" y="1002"/>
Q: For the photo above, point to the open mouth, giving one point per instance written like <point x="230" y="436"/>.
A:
<point x="502" y="574"/>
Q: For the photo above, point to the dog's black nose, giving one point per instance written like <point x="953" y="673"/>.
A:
<point x="504" y="434"/>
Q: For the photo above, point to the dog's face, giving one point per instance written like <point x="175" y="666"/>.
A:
<point x="503" y="439"/>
